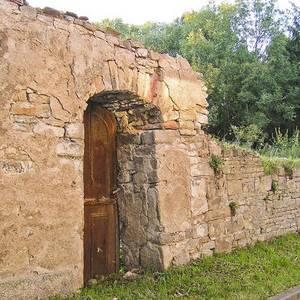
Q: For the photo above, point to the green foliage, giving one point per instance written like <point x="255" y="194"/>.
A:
<point x="283" y="152"/>
<point x="283" y="145"/>
<point x="216" y="162"/>
<point x="258" y="272"/>
<point x="122" y="267"/>
<point x="272" y="165"/>
<point x="239" y="147"/>
<point x="274" y="185"/>
<point x="157" y="36"/>
<point x="289" y="166"/>
<point x="248" y="135"/>
<point x="233" y="207"/>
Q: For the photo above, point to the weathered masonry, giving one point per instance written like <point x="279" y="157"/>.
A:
<point x="102" y="152"/>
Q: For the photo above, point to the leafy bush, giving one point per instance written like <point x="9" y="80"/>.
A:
<point x="248" y="135"/>
<point x="272" y="165"/>
<point x="216" y="162"/>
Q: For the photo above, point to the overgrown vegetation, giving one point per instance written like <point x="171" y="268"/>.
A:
<point x="233" y="207"/>
<point x="272" y="165"/>
<point x="283" y="145"/>
<point x="274" y="185"/>
<point x="258" y="272"/>
<point x="216" y="162"/>
<point x="249" y="53"/>
<point x="283" y="152"/>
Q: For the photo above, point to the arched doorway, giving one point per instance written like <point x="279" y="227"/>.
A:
<point x="121" y="126"/>
<point x="100" y="208"/>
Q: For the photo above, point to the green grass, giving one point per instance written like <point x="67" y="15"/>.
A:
<point x="272" y="165"/>
<point x="282" y="152"/>
<point x="235" y="146"/>
<point x="258" y="272"/>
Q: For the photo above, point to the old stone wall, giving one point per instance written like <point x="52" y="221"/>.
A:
<point x="173" y="206"/>
<point x="51" y="65"/>
<point x="205" y="211"/>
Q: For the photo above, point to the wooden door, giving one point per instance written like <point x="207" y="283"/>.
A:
<point x="100" y="211"/>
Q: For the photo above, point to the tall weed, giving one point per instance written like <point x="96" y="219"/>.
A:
<point x="283" y="145"/>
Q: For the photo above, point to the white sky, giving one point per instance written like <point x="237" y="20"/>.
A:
<point x="131" y="11"/>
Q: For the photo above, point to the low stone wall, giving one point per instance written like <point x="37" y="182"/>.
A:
<point x="234" y="207"/>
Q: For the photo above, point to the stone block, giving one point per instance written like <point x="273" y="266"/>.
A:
<point x="70" y="149"/>
<point x="28" y="109"/>
<point x="188" y="115"/>
<point x="150" y="256"/>
<point x="174" y="189"/>
<point x="139" y="178"/>
<point x="218" y="214"/>
<point x="186" y="95"/>
<point x="201" y="110"/>
<point x="223" y="244"/>
<point x="199" y="204"/>
<point x="44" y="129"/>
<point x="100" y="34"/>
<point x="172" y="125"/>
<point x="20" y="96"/>
<point x="186" y="125"/>
<point x="202" y="169"/>
<point x="171" y="115"/>
<point x="182" y="258"/>
<point x="201" y="230"/>
<point x="234" y="187"/>
<point x="147" y="138"/>
<point x="187" y="132"/>
<point x="144" y="85"/>
<point x="35" y="98"/>
<point x="58" y="111"/>
<point x="113" y="40"/>
<point x="75" y="130"/>
<point x="202" y="119"/>
<point x="207" y="248"/>
<point x="167" y="256"/>
<point x="142" y="52"/>
<point x="165" y="136"/>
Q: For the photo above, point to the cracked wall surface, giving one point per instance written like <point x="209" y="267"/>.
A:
<point x="173" y="207"/>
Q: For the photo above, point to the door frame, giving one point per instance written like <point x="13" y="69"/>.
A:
<point x="97" y="203"/>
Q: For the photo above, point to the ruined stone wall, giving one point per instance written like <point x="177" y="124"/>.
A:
<point x="51" y="65"/>
<point x="233" y="207"/>
<point x="173" y="207"/>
